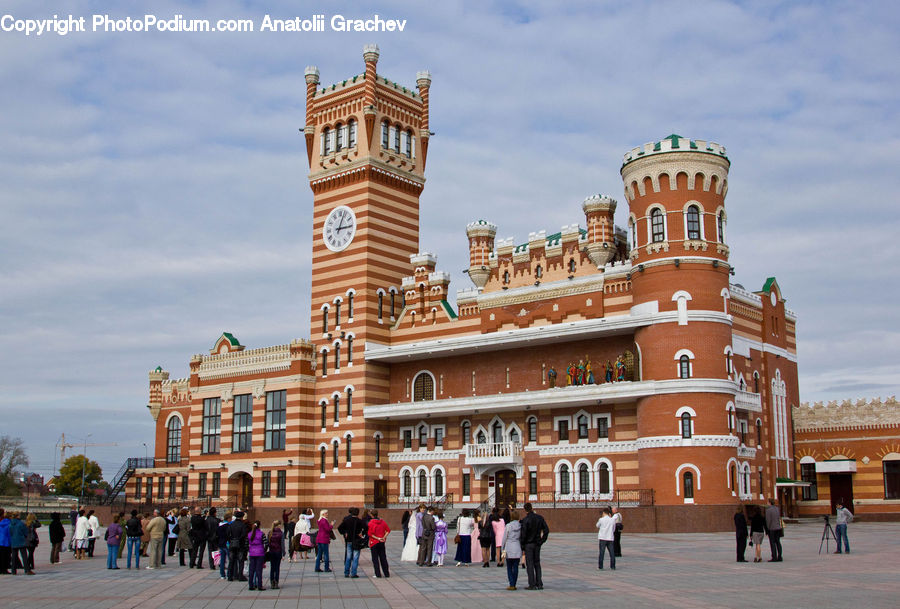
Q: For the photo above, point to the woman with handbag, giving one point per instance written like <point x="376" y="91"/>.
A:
<point x="464" y="527"/>
<point x="275" y="554"/>
<point x="302" y="542"/>
<point x="256" y="549"/>
<point x="323" y="539"/>
<point x="113" y="540"/>
<point x="511" y="548"/>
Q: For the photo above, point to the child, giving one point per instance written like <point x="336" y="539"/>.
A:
<point x="440" y="537"/>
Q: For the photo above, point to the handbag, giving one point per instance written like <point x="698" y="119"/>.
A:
<point x="331" y="534"/>
<point x="360" y="543"/>
<point x="456" y="539"/>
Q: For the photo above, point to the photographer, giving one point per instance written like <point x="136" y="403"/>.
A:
<point x="843" y="516"/>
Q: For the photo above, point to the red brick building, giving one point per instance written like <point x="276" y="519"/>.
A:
<point x="398" y="396"/>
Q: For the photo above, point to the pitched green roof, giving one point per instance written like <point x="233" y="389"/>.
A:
<point x="551" y="240"/>
<point x="449" y="309"/>
<point x="231" y="339"/>
<point x="767" y="286"/>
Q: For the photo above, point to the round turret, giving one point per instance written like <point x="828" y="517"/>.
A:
<point x="481" y="243"/>
<point x="599" y="211"/>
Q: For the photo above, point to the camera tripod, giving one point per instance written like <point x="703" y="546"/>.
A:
<point x="827" y="533"/>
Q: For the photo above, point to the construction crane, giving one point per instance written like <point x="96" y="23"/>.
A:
<point x="63" y="445"/>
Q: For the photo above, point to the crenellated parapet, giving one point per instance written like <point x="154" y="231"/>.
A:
<point x="834" y="415"/>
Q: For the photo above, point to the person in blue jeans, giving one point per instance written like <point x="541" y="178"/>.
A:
<point x="113" y="539"/>
<point x="133" y="533"/>
<point x="351" y="528"/>
<point x="323" y="538"/>
<point x="843" y="517"/>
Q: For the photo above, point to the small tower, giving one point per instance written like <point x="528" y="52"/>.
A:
<point x="157" y="377"/>
<point x="481" y="244"/>
<point x="599" y="211"/>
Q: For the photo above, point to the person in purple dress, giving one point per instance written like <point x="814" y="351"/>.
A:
<point x="440" y="537"/>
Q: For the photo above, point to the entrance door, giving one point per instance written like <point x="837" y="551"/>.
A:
<point x="505" y="492"/>
<point x="842" y="491"/>
<point x="246" y="491"/>
<point x="381" y="493"/>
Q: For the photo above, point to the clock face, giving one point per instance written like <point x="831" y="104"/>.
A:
<point x="339" y="229"/>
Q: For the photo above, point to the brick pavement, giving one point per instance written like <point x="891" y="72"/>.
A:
<point x="662" y="570"/>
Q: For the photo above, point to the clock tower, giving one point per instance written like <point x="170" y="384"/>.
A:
<point x="366" y="143"/>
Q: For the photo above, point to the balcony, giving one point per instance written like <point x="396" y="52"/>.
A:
<point x="490" y="457"/>
<point x="745" y="400"/>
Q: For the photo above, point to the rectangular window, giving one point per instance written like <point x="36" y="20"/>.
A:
<point x="173" y="486"/>
<point x="216" y="484"/>
<point x="281" y="485"/>
<point x="891" y="479"/>
<point x="407" y="438"/>
<point x="467" y="485"/>
<point x="242" y="437"/>
<point x="532" y="429"/>
<point x="149" y="490"/>
<point x="201" y="488"/>
<point x="438" y="436"/>
<point x="532" y="483"/>
<point x="266" y="484"/>
<point x="563" y="431"/>
<point x="212" y="425"/>
<point x="161" y="490"/>
<point x="808" y="474"/>
<point x="184" y="487"/>
<point x="276" y="419"/>
<point x="137" y="488"/>
<point x="603" y="428"/>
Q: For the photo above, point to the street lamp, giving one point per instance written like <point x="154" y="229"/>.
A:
<point x="83" y="464"/>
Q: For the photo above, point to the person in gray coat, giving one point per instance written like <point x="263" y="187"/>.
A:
<point x="512" y="548"/>
<point x="426" y="546"/>
<point x="774" y="529"/>
<point x="844" y="516"/>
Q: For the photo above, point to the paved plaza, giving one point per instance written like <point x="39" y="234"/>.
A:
<point x="662" y="570"/>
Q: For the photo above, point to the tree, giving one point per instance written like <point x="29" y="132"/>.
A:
<point x="69" y="480"/>
<point x="12" y="458"/>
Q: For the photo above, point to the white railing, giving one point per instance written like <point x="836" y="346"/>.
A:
<point x="746" y="452"/>
<point x="498" y="452"/>
<point x="746" y="400"/>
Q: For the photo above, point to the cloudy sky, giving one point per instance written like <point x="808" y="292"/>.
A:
<point x="154" y="184"/>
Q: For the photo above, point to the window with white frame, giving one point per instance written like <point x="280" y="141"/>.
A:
<point x="423" y="387"/>
<point x="657" y="226"/>
<point x="686" y="427"/>
<point x="693" y="223"/>
<point x="532" y="429"/>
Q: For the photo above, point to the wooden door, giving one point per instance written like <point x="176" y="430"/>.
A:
<point x="246" y="491"/>
<point x="505" y="488"/>
<point x="842" y="491"/>
<point x="381" y="493"/>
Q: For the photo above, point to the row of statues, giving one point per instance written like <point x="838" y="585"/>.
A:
<point x="583" y="373"/>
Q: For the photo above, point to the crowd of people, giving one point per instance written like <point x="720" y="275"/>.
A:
<point x="240" y="549"/>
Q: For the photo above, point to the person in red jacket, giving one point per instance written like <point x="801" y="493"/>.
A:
<point x="378" y="532"/>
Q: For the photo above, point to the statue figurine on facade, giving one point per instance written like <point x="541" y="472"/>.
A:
<point x="570" y="374"/>
<point x="620" y="368"/>
<point x="609" y="372"/>
<point x="588" y="372"/>
<point x="551" y="377"/>
<point x="580" y="373"/>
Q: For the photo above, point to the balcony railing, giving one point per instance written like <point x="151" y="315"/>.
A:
<point x="495" y="453"/>
<point x="746" y="400"/>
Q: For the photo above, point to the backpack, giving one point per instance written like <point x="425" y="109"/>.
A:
<point x="31" y="538"/>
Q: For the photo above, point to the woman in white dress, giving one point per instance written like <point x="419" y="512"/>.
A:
<point x="410" y="549"/>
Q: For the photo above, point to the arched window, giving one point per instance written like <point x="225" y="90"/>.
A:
<point x="324" y="363"/>
<point x="423" y="436"/>
<point x="337" y="313"/>
<point x="325" y="320"/>
<point x="582" y="427"/>
<point x="337" y="408"/>
<point x="350" y="305"/>
<point x="326" y="141"/>
<point x="603" y="482"/>
<point x="685" y="425"/>
<point x="758" y="432"/>
<point x="564" y="481"/>
<point x="732" y="476"/>
<point x="385" y="135"/>
<point x="720" y="225"/>
<point x="506" y="277"/>
<point x="349" y="402"/>
<point x="538" y="271"/>
<point x="571" y="265"/>
<point x="423" y="387"/>
<point x="173" y="442"/>
<point x="324" y="414"/>
<point x="322" y="460"/>
<point x="438" y="483"/>
<point x="395" y="135"/>
<point x="481" y="438"/>
<point x="339" y="137"/>
<point x="393" y="304"/>
<point x="532" y="429"/>
<point x="377" y="449"/>
<point x="693" y="222"/>
<point x="684" y="367"/>
<point x="514" y="436"/>
<point x="337" y="357"/>
<point x="347" y="442"/>
<point x="584" y="479"/>
<point x="334" y="459"/>
<point x="466" y="433"/>
<point x="497" y="432"/>
<point x="349" y="350"/>
<point x="351" y="133"/>
<point x="423" y="484"/>
<point x="657" y="226"/>
<point x="407" y="484"/>
<point x="408" y="151"/>
<point x="633" y="227"/>
<point x="756" y="382"/>
<point x="730" y="419"/>
<point x="380" y="305"/>
<point x="688" y="479"/>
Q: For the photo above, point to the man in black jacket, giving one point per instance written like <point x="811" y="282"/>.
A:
<point x="212" y="536"/>
<point x="199" y="535"/>
<point x="350" y="528"/>
<point x="534" y="534"/>
<point x="237" y="541"/>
